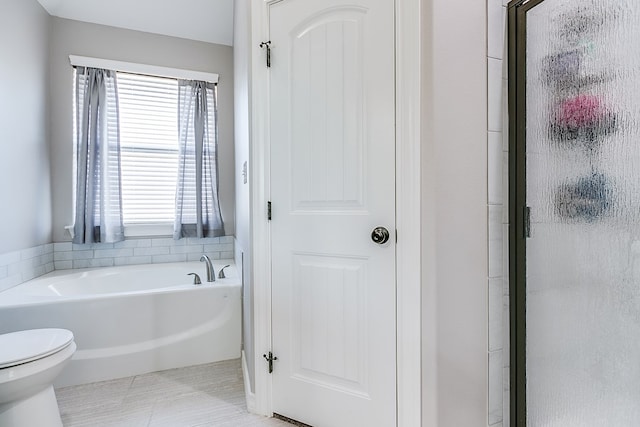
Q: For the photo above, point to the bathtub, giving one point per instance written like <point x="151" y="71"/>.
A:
<point x="131" y="320"/>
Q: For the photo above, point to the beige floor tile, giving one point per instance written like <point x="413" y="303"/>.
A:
<point x="197" y="396"/>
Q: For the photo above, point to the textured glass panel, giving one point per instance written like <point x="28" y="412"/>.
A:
<point x="583" y="187"/>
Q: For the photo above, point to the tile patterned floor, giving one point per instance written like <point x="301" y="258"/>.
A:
<point x="198" y="396"/>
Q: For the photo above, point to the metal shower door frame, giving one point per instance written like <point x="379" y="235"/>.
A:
<point x="517" y="75"/>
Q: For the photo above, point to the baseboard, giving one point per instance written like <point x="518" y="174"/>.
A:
<point x="249" y="395"/>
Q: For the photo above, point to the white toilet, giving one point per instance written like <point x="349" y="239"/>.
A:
<point x="29" y="362"/>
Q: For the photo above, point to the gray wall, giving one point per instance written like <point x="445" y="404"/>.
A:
<point x="242" y="65"/>
<point x="70" y="37"/>
<point x="25" y="187"/>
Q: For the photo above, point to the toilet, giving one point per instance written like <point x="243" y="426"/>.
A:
<point x="29" y="362"/>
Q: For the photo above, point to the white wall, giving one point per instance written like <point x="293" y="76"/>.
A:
<point x="80" y="38"/>
<point x="25" y="187"/>
<point x="454" y="204"/>
<point x="241" y="66"/>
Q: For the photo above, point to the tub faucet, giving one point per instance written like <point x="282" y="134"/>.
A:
<point x="211" y="274"/>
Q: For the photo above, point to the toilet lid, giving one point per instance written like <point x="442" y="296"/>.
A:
<point x="26" y="346"/>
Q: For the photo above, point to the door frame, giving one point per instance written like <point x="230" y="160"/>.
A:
<point x="408" y="210"/>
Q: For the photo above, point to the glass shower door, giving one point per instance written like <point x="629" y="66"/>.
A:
<point x="581" y="213"/>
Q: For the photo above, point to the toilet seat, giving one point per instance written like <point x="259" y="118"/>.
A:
<point x="21" y="347"/>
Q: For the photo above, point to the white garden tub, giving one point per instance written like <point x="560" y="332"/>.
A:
<point x="131" y="320"/>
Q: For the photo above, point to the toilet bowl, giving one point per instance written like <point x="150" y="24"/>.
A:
<point x="29" y="362"/>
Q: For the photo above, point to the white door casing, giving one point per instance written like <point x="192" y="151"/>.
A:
<point x="332" y="140"/>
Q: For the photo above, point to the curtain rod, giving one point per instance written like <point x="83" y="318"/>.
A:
<point x="132" y="67"/>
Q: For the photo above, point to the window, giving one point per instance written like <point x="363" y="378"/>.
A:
<point x="149" y="142"/>
<point x="149" y="147"/>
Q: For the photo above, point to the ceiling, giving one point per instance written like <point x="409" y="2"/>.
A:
<point x="204" y="20"/>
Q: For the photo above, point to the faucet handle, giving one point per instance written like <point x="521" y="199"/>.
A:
<point x="221" y="274"/>
<point x="196" y="279"/>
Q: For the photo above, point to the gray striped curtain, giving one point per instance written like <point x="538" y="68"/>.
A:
<point x="197" y="205"/>
<point x="98" y="216"/>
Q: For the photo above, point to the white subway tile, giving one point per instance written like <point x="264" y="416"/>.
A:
<point x="132" y="260"/>
<point x="112" y="253"/>
<point x="33" y="262"/>
<point x="33" y="273"/>
<point x="168" y="241"/>
<point x="221" y="247"/>
<point x="214" y="255"/>
<point x="494" y="94"/>
<point x="62" y="256"/>
<point x="62" y="246"/>
<point x="157" y="259"/>
<point x="186" y="249"/>
<point x="196" y="257"/>
<point x="495" y="241"/>
<point x="162" y="250"/>
<point x="27" y="265"/>
<point x="87" y="246"/>
<point x="133" y="243"/>
<point x="31" y="252"/>
<point x="49" y="267"/>
<point x="495" y="314"/>
<point x="63" y="265"/>
<point x="46" y="258"/>
<point x="227" y="247"/>
<point x="496" y="28"/>
<point x="226" y="239"/>
<point x="494" y="168"/>
<point x="4" y="271"/>
<point x="495" y="387"/>
<point x="226" y="255"/>
<point x="9" y="258"/>
<point x="102" y="246"/>
<point x="91" y="263"/>
<point x="14" y="269"/>
<point x="48" y="248"/>
<point x="10" y="282"/>
<point x="212" y="248"/>
<point x="202" y="240"/>
<point x="80" y="255"/>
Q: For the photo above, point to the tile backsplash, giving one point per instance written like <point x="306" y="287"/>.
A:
<point x="20" y="266"/>
<point x="498" y="224"/>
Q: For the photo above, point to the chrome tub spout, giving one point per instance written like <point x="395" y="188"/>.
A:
<point x="211" y="274"/>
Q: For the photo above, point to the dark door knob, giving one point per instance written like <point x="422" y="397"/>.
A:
<point x="380" y="235"/>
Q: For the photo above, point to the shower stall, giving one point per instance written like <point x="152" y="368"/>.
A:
<point x="574" y="187"/>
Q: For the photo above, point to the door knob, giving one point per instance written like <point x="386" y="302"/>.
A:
<point x="380" y="235"/>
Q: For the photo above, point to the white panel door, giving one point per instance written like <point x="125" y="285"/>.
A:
<point x="333" y="181"/>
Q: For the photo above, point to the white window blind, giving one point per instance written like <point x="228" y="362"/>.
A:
<point x="149" y="147"/>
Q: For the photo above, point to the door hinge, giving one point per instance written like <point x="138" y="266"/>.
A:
<point x="267" y="45"/>
<point x="269" y="211"/>
<point x="527" y="222"/>
<point x="270" y="358"/>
